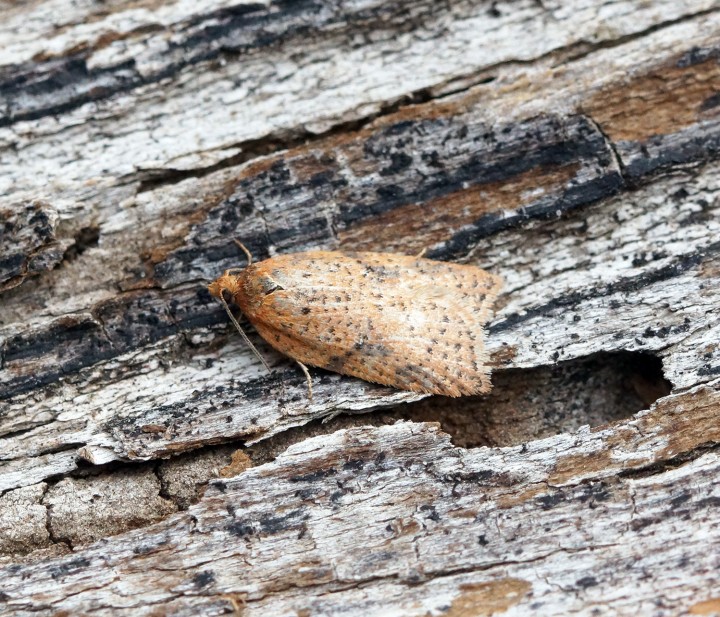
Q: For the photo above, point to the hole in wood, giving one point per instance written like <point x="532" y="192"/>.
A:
<point x="86" y="238"/>
<point x="528" y="404"/>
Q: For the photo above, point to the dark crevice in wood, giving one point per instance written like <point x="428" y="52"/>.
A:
<point x="562" y="56"/>
<point x="48" y="519"/>
<point x="26" y="428"/>
<point x="86" y="469"/>
<point x="528" y="404"/>
<point x="672" y="463"/>
<point x="49" y="480"/>
<point x="612" y="147"/>
<point x="54" y="539"/>
<point x="582" y="50"/>
<point x="85" y="238"/>
<point x="164" y="491"/>
<point x="60" y="448"/>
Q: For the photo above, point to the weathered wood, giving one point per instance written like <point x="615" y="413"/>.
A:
<point x="568" y="148"/>
<point x="437" y="525"/>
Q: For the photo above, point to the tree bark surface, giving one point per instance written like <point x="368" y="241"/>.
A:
<point x="148" y="462"/>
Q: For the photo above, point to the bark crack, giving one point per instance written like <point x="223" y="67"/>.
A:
<point x="612" y="148"/>
<point x="586" y="49"/>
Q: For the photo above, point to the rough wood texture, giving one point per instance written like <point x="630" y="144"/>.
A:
<point x="150" y="465"/>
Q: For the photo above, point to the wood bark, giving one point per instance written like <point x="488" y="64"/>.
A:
<point x="148" y="463"/>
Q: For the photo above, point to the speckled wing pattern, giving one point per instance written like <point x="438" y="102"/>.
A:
<point x="407" y="322"/>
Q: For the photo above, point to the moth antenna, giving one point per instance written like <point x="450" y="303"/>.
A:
<point x="244" y="336"/>
<point x="244" y="248"/>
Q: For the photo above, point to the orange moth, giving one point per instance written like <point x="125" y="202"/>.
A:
<point x="408" y="322"/>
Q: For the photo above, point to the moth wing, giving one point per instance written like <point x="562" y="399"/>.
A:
<point x="414" y="324"/>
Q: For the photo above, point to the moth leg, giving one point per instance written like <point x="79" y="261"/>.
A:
<point x="421" y="253"/>
<point x="238" y="603"/>
<point x="307" y="376"/>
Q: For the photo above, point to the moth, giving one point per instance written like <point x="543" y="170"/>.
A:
<point x="407" y="322"/>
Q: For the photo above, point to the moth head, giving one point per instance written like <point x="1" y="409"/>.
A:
<point x="230" y="283"/>
<point x="227" y="282"/>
